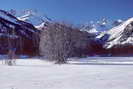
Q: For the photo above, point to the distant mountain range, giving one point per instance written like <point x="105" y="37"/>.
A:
<point x="110" y="38"/>
<point x="115" y="41"/>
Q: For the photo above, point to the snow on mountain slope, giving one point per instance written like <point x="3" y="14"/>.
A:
<point x="116" y="31"/>
<point x="25" y="17"/>
<point x="39" y="27"/>
<point x="90" y="28"/>
<point x="31" y="17"/>
<point x="8" y="21"/>
<point x="93" y="30"/>
<point x="35" y="18"/>
<point x="121" y="34"/>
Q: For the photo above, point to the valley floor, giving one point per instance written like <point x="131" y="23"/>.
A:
<point x="97" y="73"/>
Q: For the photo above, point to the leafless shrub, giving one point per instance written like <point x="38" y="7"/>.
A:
<point x="56" y="43"/>
<point x="60" y="41"/>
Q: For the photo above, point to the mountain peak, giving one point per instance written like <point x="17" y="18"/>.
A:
<point x="121" y="34"/>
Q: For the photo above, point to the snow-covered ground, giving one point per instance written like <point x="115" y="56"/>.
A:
<point x="77" y="74"/>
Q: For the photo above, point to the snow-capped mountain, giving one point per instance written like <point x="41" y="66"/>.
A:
<point x="42" y="25"/>
<point x="35" y="18"/>
<point x="9" y="23"/>
<point x="90" y="28"/>
<point x="98" y="26"/>
<point x="17" y="34"/>
<point x="120" y="35"/>
<point x="26" y="16"/>
<point x="30" y="17"/>
<point x="39" y="27"/>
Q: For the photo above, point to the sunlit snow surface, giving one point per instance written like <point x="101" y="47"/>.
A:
<point x="116" y="33"/>
<point x="85" y="73"/>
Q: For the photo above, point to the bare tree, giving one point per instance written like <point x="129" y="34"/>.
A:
<point x="11" y="48"/>
<point x="11" y="58"/>
<point x="56" y="43"/>
<point x="60" y="41"/>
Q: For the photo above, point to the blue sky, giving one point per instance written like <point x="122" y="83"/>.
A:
<point x="75" y="11"/>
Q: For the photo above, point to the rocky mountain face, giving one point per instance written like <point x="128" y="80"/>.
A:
<point x="118" y="41"/>
<point x="18" y="34"/>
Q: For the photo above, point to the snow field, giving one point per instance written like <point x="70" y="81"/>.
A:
<point x="38" y="74"/>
